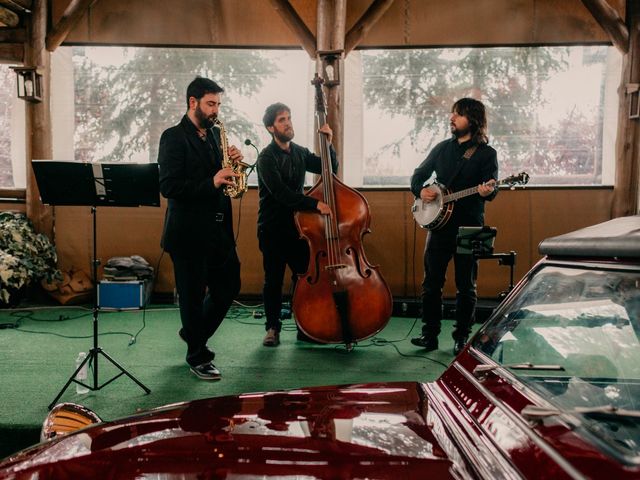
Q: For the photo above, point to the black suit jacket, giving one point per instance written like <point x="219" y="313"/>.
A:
<point x="198" y="218"/>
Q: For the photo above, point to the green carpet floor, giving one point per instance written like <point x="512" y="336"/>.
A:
<point x="38" y="348"/>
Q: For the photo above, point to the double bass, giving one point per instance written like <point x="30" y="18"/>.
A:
<point x="341" y="298"/>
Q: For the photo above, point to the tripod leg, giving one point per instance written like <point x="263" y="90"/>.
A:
<point x="122" y="371"/>
<point x="72" y="378"/>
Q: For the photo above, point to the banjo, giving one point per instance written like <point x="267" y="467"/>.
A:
<point x="435" y="214"/>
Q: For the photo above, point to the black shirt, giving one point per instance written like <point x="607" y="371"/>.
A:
<point x="445" y="160"/>
<point x="281" y="184"/>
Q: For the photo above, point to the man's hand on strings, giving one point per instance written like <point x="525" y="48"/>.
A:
<point x="323" y="208"/>
<point x="326" y="129"/>
<point x="485" y="189"/>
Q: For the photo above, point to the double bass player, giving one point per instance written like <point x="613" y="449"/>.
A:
<point x="282" y="167"/>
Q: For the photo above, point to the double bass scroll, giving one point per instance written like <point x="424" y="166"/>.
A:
<point x="341" y="298"/>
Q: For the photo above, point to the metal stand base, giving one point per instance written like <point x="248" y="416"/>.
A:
<point x="96" y="351"/>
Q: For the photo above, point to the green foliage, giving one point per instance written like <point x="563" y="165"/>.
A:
<point x="125" y="108"/>
<point x="25" y="256"/>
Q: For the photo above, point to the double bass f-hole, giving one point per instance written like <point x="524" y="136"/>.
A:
<point x="341" y="298"/>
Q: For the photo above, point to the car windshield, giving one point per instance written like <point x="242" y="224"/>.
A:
<point x="577" y="330"/>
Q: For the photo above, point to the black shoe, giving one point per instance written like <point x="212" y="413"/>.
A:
<point x="428" y="343"/>
<point x="458" y="345"/>
<point x="207" y="371"/>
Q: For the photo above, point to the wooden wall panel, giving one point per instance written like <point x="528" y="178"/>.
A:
<point x="12" y="207"/>
<point x="407" y="22"/>
<point x="523" y="219"/>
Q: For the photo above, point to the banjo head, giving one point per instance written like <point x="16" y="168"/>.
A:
<point x="425" y="213"/>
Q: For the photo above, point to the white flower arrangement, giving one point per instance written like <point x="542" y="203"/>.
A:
<point x="25" y="256"/>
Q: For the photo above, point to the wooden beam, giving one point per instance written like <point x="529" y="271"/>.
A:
<point x="8" y="18"/>
<point x="11" y="52"/>
<point x="73" y="13"/>
<point x="610" y="21"/>
<point x="295" y="23"/>
<point x="17" y="5"/>
<point x="331" y="25"/>
<point x="13" y="193"/>
<point x="625" y="191"/>
<point x="38" y="119"/>
<point x="13" y="35"/>
<point x="368" y="19"/>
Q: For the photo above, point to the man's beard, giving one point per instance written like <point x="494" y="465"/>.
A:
<point x="285" y="136"/>
<point x="203" y="120"/>
<point x="459" y="132"/>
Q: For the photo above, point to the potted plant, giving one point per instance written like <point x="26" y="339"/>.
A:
<point x="25" y="257"/>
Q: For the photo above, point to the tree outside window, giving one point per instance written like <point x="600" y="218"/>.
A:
<point x="546" y="108"/>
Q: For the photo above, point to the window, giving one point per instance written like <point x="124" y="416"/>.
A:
<point x="552" y="111"/>
<point x="571" y="335"/>
<point x="12" y="136"/>
<point x="117" y="101"/>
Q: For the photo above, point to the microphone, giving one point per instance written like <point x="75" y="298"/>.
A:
<point x="249" y="142"/>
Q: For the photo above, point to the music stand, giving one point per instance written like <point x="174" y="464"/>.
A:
<point x="97" y="184"/>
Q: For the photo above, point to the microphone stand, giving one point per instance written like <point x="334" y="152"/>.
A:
<point x="253" y="165"/>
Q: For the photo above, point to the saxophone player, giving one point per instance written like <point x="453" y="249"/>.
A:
<point x="198" y="229"/>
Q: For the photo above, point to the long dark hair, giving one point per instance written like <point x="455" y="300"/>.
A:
<point x="475" y="112"/>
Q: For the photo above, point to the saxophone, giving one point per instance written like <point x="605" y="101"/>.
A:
<point x="240" y="184"/>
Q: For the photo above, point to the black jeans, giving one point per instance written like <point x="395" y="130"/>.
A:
<point x="279" y="249"/>
<point x="441" y="247"/>
<point x="206" y="289"/>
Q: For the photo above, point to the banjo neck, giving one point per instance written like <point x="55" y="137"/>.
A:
<point x="452" y="197"/>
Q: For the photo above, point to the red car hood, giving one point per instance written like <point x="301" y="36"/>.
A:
<point x="383" y="431"/>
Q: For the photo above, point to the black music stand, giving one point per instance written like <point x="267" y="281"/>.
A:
<point x="97" y="184"/>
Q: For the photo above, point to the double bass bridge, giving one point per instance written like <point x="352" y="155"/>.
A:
<point x="336" y="266"/>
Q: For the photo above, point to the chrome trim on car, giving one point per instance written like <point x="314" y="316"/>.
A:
<point x="522" y="424"/>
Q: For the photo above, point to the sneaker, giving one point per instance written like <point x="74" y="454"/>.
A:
<point x="272" y="338"/>
<point x="207" y="371"/>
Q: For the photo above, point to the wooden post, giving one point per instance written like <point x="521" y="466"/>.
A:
<point x="38" y="119"/>
<point x="332" y="16"/>
<point x="625" y="193"/>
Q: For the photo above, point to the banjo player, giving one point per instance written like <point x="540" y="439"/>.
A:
<point x="461" y="162"/>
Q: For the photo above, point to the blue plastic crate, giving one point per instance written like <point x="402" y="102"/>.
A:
<point x="123" y="295"/>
